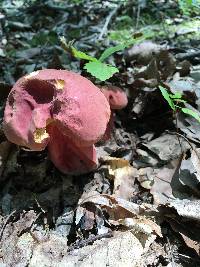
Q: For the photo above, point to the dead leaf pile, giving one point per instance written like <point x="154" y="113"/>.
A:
<point x="109" y="211"/>
<point x="183" y="216"/>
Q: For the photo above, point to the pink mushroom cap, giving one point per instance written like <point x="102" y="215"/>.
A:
<point x="116" y="97"/>
<point x="61" y="110"/>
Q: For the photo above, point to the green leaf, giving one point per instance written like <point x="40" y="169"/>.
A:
<point x="78" y="54"/>
<point x="167" y="97"/>
<point x="100" y="70"/>
<point x="180" y="100"/>
<point x="73" y="51"/>
<point x="191" y="113"/>
<point x="111" y="50"/>
<point x="177" y="95"/>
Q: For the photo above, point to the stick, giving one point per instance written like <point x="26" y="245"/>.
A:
<point x="108" y="19"/>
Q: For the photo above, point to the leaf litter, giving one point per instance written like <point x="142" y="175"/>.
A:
<point x="144" y="197"/>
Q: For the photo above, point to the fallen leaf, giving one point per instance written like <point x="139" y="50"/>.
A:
<point x="167" y="147"/>
<point x="16" y="244"/>
<point x="195" y="158"/>
<point x="189" y="173"/>
<point x="123" y="249"/>
<point x="191" y="243"/>
<point x="162" y="189"/>
<point x="121" y="212"/>
<point x="189" y="126"/>
<point x="189" y="209"/>
<point x="123" y="175"/>
<point x="143" y="52"/>
<point x="184" y="216"/>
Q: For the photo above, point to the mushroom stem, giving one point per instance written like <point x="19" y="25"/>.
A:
<point x="67" y="156"/>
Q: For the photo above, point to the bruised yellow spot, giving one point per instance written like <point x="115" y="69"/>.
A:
<point x="40" y="135"/>
<point x="59" y="84"/>
<point x="32" y="74"/>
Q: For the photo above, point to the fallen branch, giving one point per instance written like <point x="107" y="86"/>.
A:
<point x="108" y="19"/>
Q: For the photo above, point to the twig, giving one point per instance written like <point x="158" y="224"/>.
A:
<point x="85" y="242"/>
<point x="108" y="19"/>
<point x="138" y="17"/>
<point x="189" y="143"/>
<point x="38" y="204"/>
<point x="185" y="138"/>
<point x="176" y="117"/>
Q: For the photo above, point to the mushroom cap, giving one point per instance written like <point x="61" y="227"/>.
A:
<point x="78" y="107"/>
<point x="116" y="97"/>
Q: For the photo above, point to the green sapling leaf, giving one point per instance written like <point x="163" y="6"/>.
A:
<point x="166" y="96"/>
<point x="180" y="101"/>
<point x="177" y="95"/>
<point x="95" y="66"/>
<point x="111" y="50"/>
<point x="191" y="113"/>
<point x="100" y="70"/>
<point x="73" y="51"/>
<point x="78" y="54"/>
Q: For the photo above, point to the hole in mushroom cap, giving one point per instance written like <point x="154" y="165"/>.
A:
<point x="11" y="99"/>
<point x="41" y="91"/>
<point x="68" y="105"/>
<point x="57" y="104"/>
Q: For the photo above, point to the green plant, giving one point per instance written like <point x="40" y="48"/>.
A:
<point x="97" y="67"/>
<point x="175" y="100"/>
<point x="188" y="6"/>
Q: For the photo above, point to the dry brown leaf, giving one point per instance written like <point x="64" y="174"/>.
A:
<point x="162" y="189"/>
<point x="121" y="250"/>
<point x="184" y="216"/>
<point x="143" y="52"/>
<point x="189" y="209"/>
<point x="195" y="158"/>
<point x="123" y="175"/>
<point x="141" y="224"/>
<point x="49" y="252"/>
<point x="16" y="244"/>
<point x="126" y="214"/>
<point x="191" y="243"/>
<point x="117" y="208"/>
<point x="189" y="234"/>
<point x="166" y="64"/>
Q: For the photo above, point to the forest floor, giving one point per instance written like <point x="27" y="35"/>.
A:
<point x="141" y="207"/>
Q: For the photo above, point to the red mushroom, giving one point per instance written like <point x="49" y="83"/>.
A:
<point x="117" y="99"/>
<point x="61" y="110"/>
